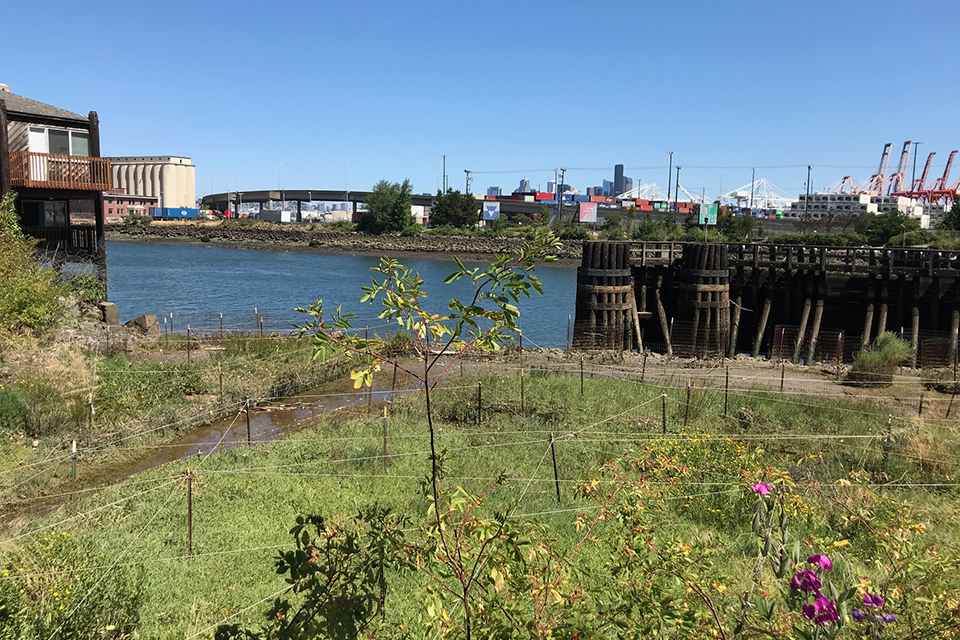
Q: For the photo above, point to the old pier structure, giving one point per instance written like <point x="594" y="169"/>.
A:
<point x="802" y="303"/>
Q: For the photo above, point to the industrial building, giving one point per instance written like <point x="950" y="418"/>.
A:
<point x="171" y="179"/>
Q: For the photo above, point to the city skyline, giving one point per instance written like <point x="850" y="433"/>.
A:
<point x="385" y="91"/>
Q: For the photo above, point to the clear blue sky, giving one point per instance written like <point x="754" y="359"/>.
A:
<point x="383" y="89"/>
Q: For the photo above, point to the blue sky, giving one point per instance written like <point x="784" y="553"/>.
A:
<point x="376" y="90"/>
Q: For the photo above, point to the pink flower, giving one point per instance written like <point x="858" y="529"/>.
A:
<point x="825" y="609"/>
<point x="761" y="487"/>
<point x="821" y="561"/>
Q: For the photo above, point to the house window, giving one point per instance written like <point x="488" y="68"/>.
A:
<point x="59" y="141"/>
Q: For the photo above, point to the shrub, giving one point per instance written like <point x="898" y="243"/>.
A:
<point x="13" y="410"/>
<point x="874" y="366"/>
<point x="87" y="287"/>
<point x="29" y="295"/>
<point x="411" y="230"/>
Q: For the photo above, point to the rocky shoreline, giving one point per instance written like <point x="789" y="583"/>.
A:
<point x="307" y="241"/>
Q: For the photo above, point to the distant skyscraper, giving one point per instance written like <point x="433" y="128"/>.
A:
<point x="607" y="188"/>
<point x="627" y="184"/>
<point x="551" y="186"/>
<point x="493" y="191"/>
<point x="524" y="186"/>
<point x="617" y="180"/>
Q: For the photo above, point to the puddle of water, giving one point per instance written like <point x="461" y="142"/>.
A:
<point x="267" y="424"/>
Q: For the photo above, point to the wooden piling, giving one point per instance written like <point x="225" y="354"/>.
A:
<point x="735" y="327"/>
<point x="762" y="327"/>
<point x="867" y="326"/>
<point x="815" y="333"/>
<point x="801" y="332"/>
<point x="914" y="335"/>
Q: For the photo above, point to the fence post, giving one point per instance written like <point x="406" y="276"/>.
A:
<point x="920" y="408"/>
<point x="171" y="322"/>
<point x="246" y="410"/>
<point x="643" y="369"/>
<point x="393" y="385"/>
<point x="188" y="344"/>
<point x="663" y="398"/>
<point x="73" y="473"/>
<point x="783" y="370"/>
<point x="189" y="511"/>
<point x="221" y="325"/>
<point x="220" y="375"/>
<point x="479" y="402"/>
<point x="556" y="478"/>
<point x="686" y="410"/>
<point x="568" y="333"/>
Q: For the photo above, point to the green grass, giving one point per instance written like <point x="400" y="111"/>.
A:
<point x="245" y="500"/>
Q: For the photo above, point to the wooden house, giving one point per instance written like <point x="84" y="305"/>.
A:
<point x="50" y="158"/>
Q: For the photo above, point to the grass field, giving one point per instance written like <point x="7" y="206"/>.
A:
<point x="856" y="481"/>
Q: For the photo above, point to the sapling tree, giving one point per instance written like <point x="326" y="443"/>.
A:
<point x="485" y="321"/>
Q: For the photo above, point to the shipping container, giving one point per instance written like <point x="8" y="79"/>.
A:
<point x="597" y="199"/>
<point x="173" y="214"/>
<point x="610" y="200"/>
<point x="541" y="195"/>
<point x="548" y="202"/>
<point x="646" y="207"/>
<point x="581" y="198"/>
<point x="528" y="198"/>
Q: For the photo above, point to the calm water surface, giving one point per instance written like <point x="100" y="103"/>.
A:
<point x="198" y="283"/>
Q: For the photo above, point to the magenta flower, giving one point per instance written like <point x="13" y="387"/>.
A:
<point x="761" y="487"/>
<point x="805" y="580"/>
<point x="821" y="561"/>
<point x="809" y="611"/>
<point x="858" y="615"/>
<point x="825" y="609"/>
<point x="888" y="618"/>
<point x="873" y="600"/>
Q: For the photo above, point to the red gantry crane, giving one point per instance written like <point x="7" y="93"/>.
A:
<point x="874" y="184"/>
<point x="938" y="192"/>
<point x="896" y="181"/>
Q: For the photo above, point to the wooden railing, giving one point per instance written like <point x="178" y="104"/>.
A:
<point x="803" y="258"/>
<point x="74" y="239"/>
<point x="54" y="171"/>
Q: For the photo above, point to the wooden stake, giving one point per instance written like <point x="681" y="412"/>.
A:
<point x="686" y="410"/>
<point x="220" y="374"/>
<point x="188" y="344"/>
<point x="643" y="369"/>
<point x="393" y="385"/>
<point x="479" y="402"/>
<point x="920" y="408"/>
<point x="783" y="371"/>
<point x="556" y="478"/>
<point x="221" y="325"/>
<point x="568" y="333"/>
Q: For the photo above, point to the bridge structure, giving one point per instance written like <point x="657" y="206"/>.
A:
<point x="231" y="200"/>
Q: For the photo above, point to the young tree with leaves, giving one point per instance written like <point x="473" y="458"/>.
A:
<point x="388" y="208"/>
<point x="454" y="209"/>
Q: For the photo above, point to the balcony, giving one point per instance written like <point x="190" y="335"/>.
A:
<point x="53" y="171"/>
<point x="72" y="239"/>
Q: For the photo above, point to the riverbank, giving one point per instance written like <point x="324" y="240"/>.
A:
<point x="305" y="240"/>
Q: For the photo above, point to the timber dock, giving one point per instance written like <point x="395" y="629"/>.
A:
<point x="809" y="303"/>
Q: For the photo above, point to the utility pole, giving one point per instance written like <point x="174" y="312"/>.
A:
<point x="806" y="203"/>
<point x="753" y="181"/>
<point x="669" y="175"/>
<point x="560" y="194"/>
<point x="467" y="171"/>
<point x="444" y="173"/>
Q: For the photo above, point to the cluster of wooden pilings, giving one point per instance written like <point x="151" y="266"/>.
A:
<point x="606" y="311"/>
<point x="802" y="303"/>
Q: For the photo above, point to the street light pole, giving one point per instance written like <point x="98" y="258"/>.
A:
<point x="669" y="175"/>
<point x="444" y="173"/>
<point x="676" y="192"/>
<point x="806" y="202"/>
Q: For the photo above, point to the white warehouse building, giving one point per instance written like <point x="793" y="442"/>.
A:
<point x="173" y="179"/>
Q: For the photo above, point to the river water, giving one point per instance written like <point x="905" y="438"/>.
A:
<point x="198" y="283"/>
